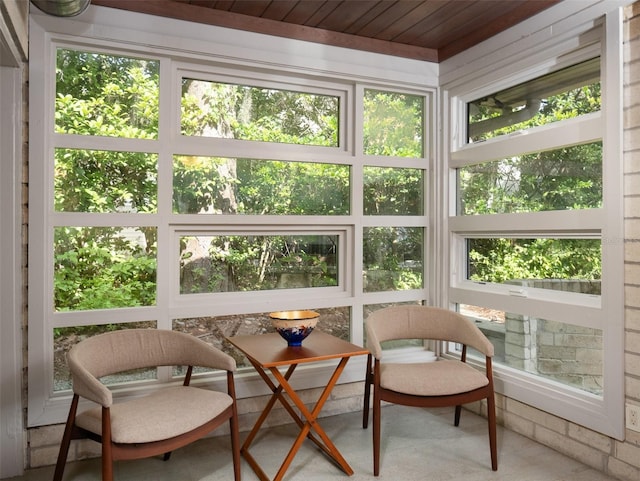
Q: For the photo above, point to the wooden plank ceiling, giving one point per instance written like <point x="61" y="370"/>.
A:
<point x="431" y="30"/>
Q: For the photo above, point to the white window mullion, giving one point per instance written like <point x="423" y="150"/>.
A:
<point x="41" y="101"/>
<point x="581" y="130"/>
<point x="613" y="301"/>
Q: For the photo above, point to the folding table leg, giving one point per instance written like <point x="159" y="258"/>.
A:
<point x="311" y="421"/>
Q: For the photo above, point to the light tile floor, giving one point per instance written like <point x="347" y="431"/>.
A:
<point x="418" y="445"/>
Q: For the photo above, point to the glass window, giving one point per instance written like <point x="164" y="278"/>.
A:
<point x="165" y="186"/>
<point x="106" y="95"/>
<point x="233" y="263"/>
<point x="393" y="258"/>
<point x="393" y="124"/>
<point x="569" y="354"/>
<point x="393" y="191"/>
<point x="568" y="178"/>
<point x="573" y="265"/>
<point x="528" y="230"/>
<point x="105" y="181"/>
<point x="230" y="111"/>
<point x="560" y="95"/>
<point x="104" y="267"/>
<point x="215" y="185"/>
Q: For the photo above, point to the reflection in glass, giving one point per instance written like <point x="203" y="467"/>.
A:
<point x="229" y="111"/>
<point x="333" y="320"/>
<point x="106" y="95"/>
<point x="393" y="191"/>
<point x="560" y="95"/>
<point x="564" y="179"/>
<point x="393" y="124"/>
<point x="566" y="353"/>
<point x="104" y="267"/>
<point x="543" y="263"/>
<point x="64" y="338"/>
<point x="393" y="259"/>
<point x="105" y="181"/>
<point x="234" y="263"/>
<point x="218" y="185"/>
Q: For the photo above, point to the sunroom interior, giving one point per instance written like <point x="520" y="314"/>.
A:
<point x="194" y="166"/>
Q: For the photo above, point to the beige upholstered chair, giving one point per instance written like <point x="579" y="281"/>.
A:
<point x="426" y="384"/>
<point x="157" y="423"/>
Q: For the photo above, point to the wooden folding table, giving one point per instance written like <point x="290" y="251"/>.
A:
<point x="268" y="352"/>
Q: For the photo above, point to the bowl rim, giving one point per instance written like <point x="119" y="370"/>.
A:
<point x="294" y="315"/>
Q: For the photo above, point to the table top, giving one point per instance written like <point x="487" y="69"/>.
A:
<point x="271" y="350"/>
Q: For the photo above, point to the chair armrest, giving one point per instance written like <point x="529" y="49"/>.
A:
<point x="87" y="385"/>
<point x="373" y="344"/>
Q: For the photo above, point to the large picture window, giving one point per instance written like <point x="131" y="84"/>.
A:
<point x="530" y="261"/>
<point x="180" y="190"/>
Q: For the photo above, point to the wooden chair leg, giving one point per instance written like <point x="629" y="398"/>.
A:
<point x="367" y="394"/>
<point x="107" y="457"/>
<point x="376" y="423"/>
<point x="66" y="440"/>
<point x="234" y="428"/>
<point x="491" y="419"/>
<point x="235" y="448"/>
<point x="456" y="418"/>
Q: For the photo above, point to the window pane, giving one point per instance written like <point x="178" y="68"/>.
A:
<point x="562" y="179"/>
<point x="559" y="264"/>
<point x="233" y="263"/>
<point x="104" y="267"/>
<point x="217" y="185"/>
<point x="560" y="95"/>
<point x="64" y="338"/>
<point x="106" y="95"/>
<point x="105" y="181"/>
<point x="393" y="258"/>
<point x="228" y="111"/>
<point x="390" y="191"/>
<point x="393" y="124"/>
<point x="214" y="330"/>
<point x="553" y="350"/>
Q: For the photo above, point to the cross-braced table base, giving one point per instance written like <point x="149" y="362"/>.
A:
<point x="325" y="347"/>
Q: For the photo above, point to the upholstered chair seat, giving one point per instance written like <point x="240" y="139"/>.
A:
<point x="160" y="415"/>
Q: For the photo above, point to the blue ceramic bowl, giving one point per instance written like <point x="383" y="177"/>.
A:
<point x="294" y="326"/>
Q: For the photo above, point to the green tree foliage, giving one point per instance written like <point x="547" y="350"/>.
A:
<point x="103" y="95"/>
<point x="393" y="124"/>
<point x="96" y="268"/>
<point x="115" y="96"/>
<point x="392" y="191"/>
<point x="393" y="259"/>
<point x="504" y="260"/>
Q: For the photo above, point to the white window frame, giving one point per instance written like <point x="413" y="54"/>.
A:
<point x="11" y="358"/>
<point x="187" y="47"/>
<point x="597" y="33"/>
